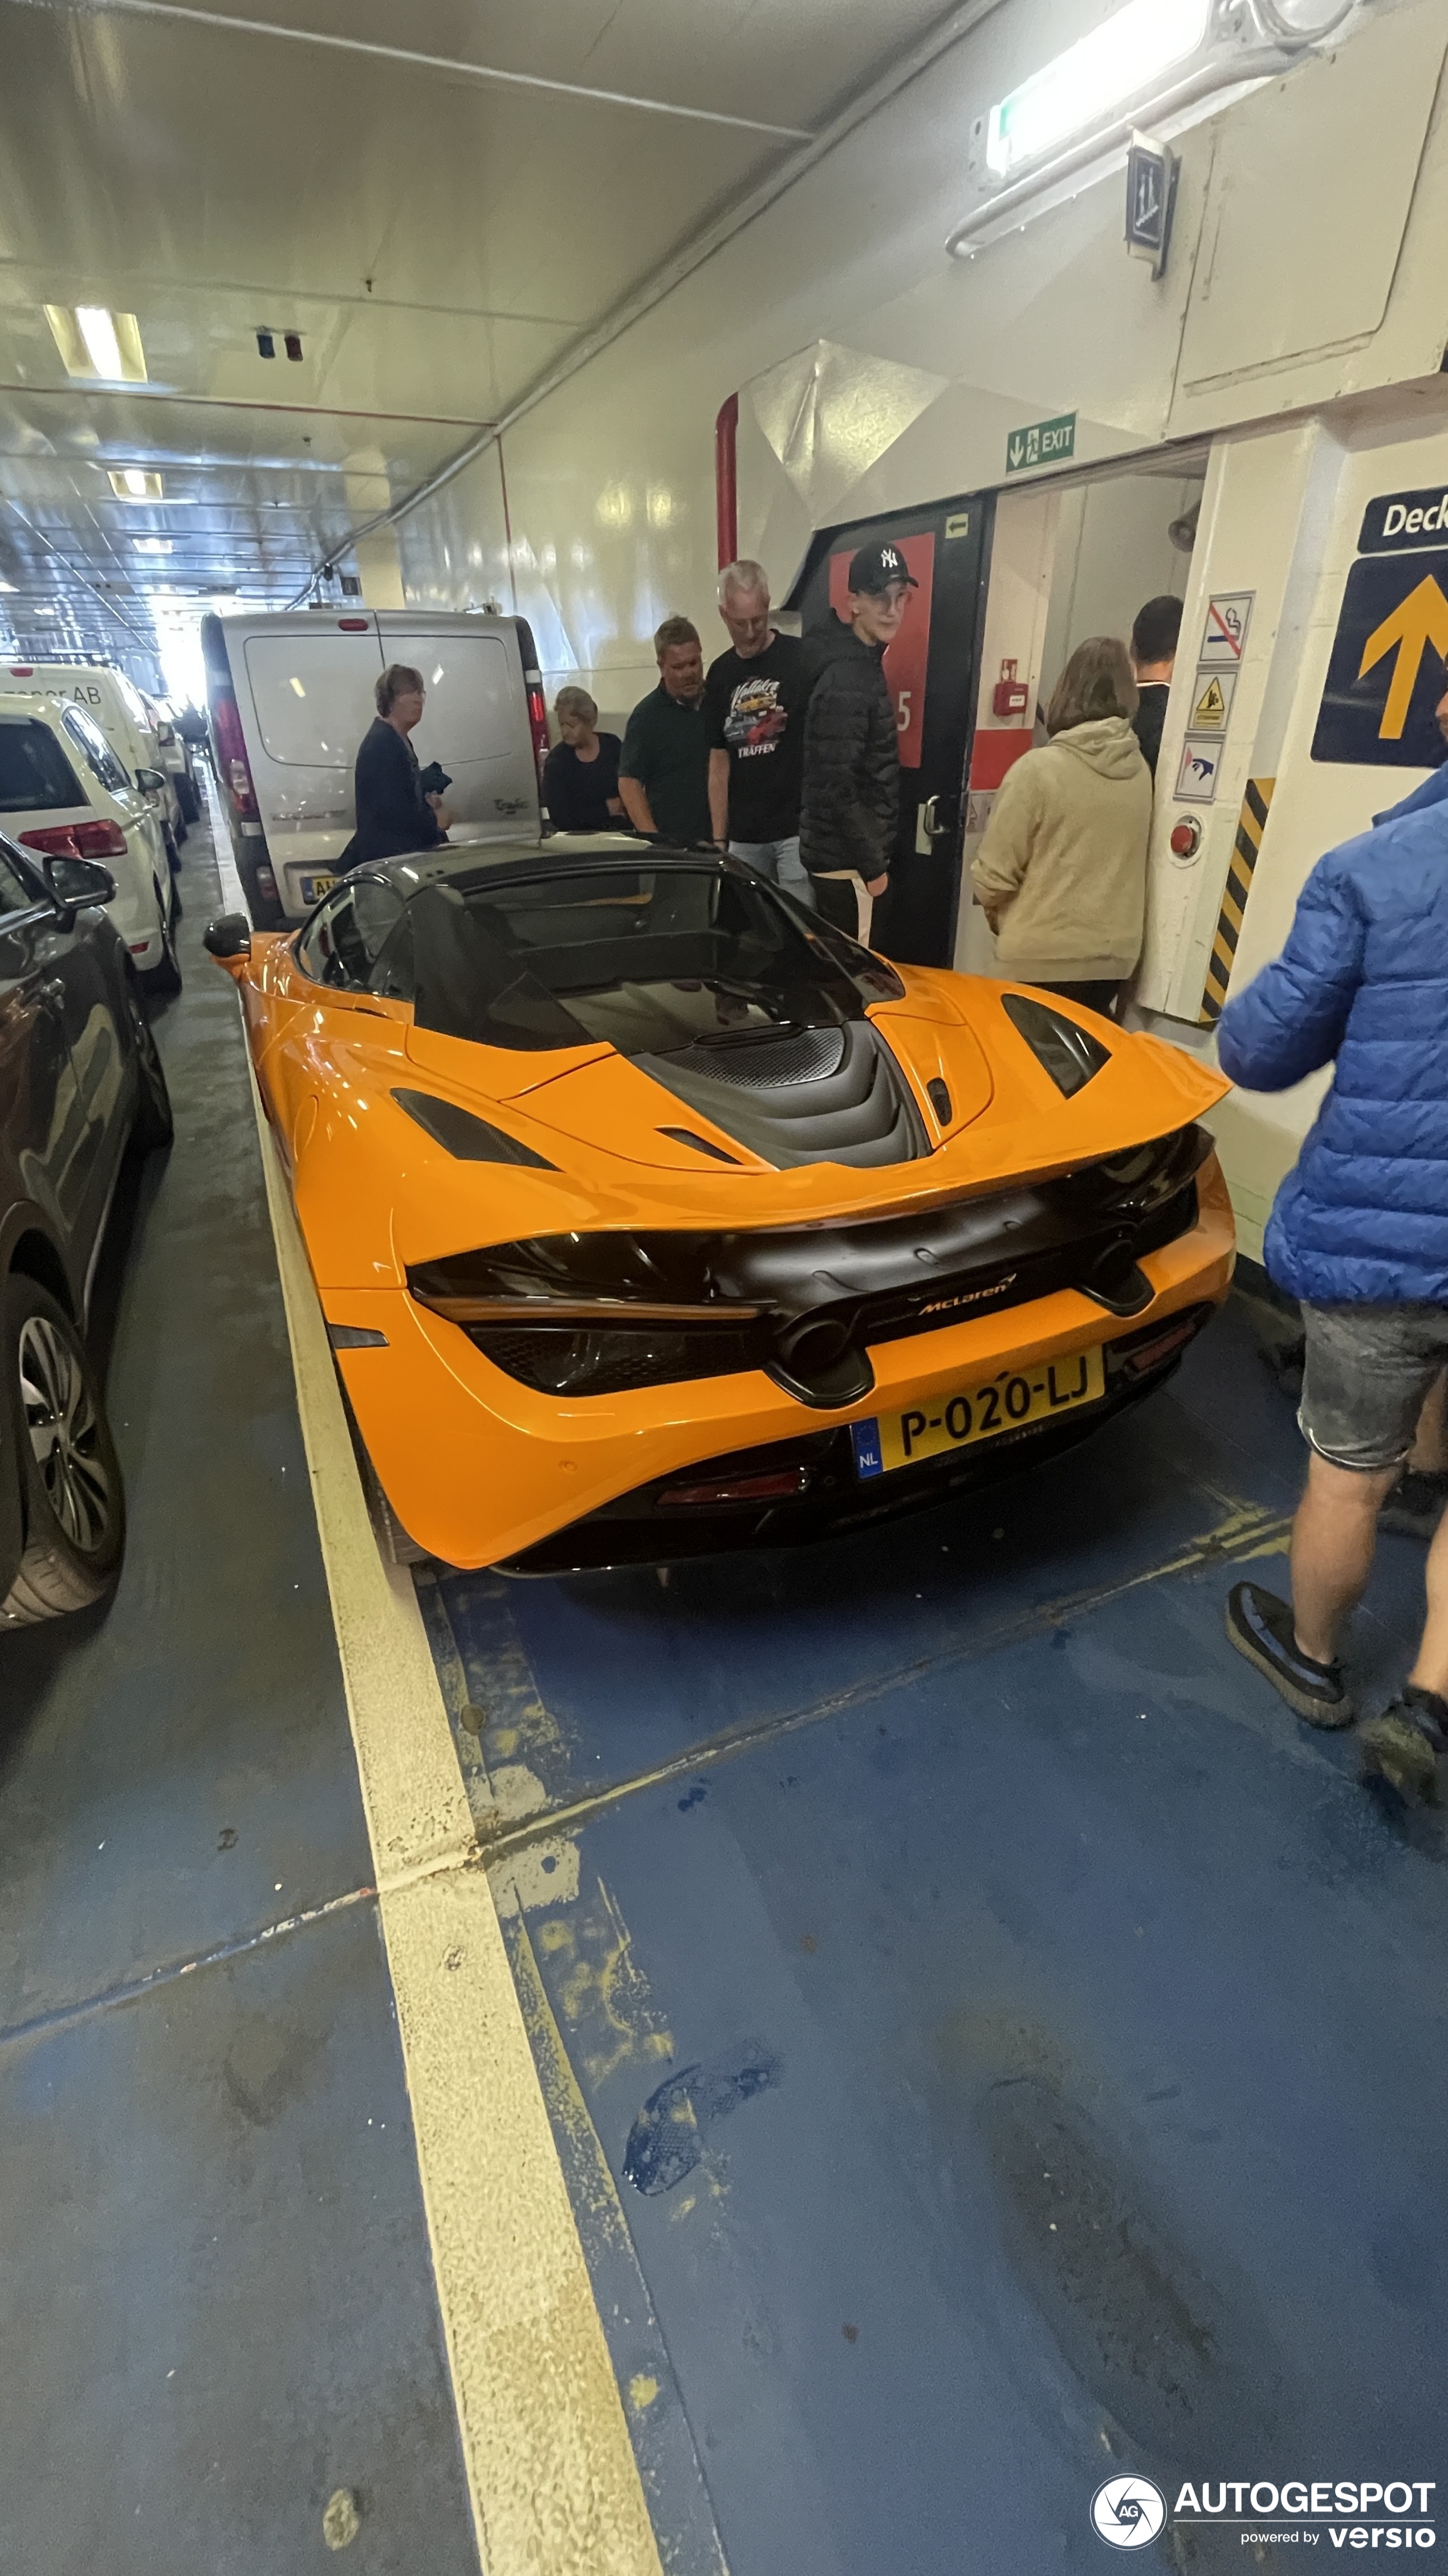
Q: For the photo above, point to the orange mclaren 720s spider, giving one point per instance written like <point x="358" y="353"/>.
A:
<point x="652" y="1215"/>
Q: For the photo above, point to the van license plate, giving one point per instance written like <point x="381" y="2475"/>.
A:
<point x="314" y="887"/>
<point x="1005" y="1403"/>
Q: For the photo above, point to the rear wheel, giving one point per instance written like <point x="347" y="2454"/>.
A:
<point x="75" y="1522"/>
<point x="152" y="1125"/>
<point x="165" y="978"/>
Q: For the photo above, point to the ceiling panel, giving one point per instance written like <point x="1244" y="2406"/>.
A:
<point x="438" y="240"/>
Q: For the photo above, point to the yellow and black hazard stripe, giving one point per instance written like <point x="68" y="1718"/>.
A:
<point x="1250" y="827"/>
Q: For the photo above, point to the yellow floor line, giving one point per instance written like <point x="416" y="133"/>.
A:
<point x="551" y="2470"/>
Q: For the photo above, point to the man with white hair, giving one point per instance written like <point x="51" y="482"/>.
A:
<point x="754" y="704"/>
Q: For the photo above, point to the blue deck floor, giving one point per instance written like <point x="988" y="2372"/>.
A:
<point x="991" y="2042"/>
<point x="216" y="2304"/>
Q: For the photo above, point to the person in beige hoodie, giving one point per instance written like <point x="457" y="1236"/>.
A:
<point x="1061" y="869"/>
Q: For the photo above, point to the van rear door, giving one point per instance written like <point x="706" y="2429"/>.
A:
<point x="475" y="718"/>
<point x="308" y="700"/>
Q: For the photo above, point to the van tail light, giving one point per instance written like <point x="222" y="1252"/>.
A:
<point x="58" y="844"/>
<point x="538" y="719"/>
<point x="533" y="689"/>
<point x="231" y="752"/>
<point x="353" y="625"/>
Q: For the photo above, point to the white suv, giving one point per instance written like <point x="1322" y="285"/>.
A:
<point x="65" y="793"/>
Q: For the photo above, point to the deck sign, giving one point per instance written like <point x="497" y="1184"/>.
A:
<point x="1401" y="522"/>
<point x="1389" y="663"/>
<point x="1046" y="442"/>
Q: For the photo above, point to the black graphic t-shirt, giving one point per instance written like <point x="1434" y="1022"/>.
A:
<point x="755" y="712"/>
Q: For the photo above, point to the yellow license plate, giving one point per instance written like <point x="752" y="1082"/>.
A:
<point x="314" y="887"/>
<point x="1007" y="1402"/>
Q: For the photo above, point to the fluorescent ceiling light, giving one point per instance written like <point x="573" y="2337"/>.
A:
<point x="133" y="483"/>
<point x="1119" y="59"/>
<point x="152" y="545"/>
<point x="94" y="341"/>
<point x="7" y="585"/>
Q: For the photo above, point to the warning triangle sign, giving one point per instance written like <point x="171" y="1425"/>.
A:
<point x="1210" y="710"/>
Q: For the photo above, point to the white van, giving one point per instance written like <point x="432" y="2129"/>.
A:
<point x="64" y="793"/>
<point x="124" y="718"/>
<point x="291" y="697"/>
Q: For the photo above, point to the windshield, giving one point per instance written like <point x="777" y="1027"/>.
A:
<point x="648" y="959"/>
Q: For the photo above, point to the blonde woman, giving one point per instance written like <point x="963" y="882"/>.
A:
<point x="1061" y="870"/>
<point x="580" y="774"/>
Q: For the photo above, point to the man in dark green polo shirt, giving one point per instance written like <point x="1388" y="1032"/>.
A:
<point x="663" y="772"/>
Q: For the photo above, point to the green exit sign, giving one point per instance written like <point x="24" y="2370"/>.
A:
<point x="1046" y="442"/>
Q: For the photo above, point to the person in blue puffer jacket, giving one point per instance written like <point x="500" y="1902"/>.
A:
<point x="1359" y="1233"/>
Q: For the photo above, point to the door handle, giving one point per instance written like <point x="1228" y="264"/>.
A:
<point x="928" y="823"/>
<point x="52" y="994"/>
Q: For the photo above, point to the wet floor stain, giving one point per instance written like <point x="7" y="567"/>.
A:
<point x="1169" y="2353"/>
<point x="667" y="2139"/>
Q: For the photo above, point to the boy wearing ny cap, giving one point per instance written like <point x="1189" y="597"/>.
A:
<point x="850" y="807"/>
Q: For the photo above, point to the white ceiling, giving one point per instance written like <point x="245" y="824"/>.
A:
<point x="437" y="233"/>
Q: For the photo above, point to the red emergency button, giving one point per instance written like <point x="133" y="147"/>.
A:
<point x="1186" y="838"/>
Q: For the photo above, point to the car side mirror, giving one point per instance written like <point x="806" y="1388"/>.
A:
<point x="228" y="939"/>
<point x="151" y="782"/>
<point x="76" y="883"/>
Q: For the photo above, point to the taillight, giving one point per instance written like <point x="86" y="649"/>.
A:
<point x="22" y="670"/>
<point x="231" y="751"/>
<point x="774" y="1486"/>
<point x="537" y="718"/>
<point x="353" y="625"/>
<point x="99" y="840"/>
<point x="57" y="844"/>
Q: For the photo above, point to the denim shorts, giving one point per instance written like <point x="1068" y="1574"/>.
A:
<point x="1368" y="1370"/>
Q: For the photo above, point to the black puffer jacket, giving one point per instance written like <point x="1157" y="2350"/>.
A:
<point x="850" y="807"/>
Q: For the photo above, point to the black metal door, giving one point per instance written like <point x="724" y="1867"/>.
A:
<point x="931" y="673"/>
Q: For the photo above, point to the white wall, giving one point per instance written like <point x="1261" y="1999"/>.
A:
<point x="1112" y="554"/>
<point x="1302" y="319"/>
<point x="1306" y="263"/>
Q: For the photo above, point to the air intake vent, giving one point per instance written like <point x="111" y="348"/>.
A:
<point x="701" y="1144"/>
<point x="815" y="1095"/>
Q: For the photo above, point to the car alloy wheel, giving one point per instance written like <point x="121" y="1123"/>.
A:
<point x="65" y="1435"/>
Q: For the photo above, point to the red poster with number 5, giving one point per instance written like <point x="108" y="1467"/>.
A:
<point x="906" y="658"/>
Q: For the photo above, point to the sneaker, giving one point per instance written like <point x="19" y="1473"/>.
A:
<point x="1402" y="1746"/>
<point x="1260" y="1627"/>
<point x="1415" y="1504"/>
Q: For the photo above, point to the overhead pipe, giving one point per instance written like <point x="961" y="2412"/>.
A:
<point x="726" y="481"/>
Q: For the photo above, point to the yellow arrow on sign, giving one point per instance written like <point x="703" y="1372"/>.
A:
<point x="1418" y="620"/>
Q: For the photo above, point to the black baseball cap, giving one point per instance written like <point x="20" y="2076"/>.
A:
<point x="875" y="567"/>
